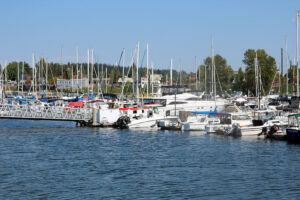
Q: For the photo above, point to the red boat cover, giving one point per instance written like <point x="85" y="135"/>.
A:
<point x="77" y="104"/>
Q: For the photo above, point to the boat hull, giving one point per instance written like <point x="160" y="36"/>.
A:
<point x="246" y="131"/>
<point x="194" y="127"/>
<point x="145" y="123"/>
<point x="293" y="135"/>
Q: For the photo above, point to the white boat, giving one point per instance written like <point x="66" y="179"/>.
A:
<point x="150" y="121"/>
<point x="200" y="123"/>
<point x="235" y="124"/>
<point x="191" y="102"/>
<point x="170" y="123"/>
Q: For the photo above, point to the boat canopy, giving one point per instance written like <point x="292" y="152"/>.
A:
<point x="220" y="114"/>
<point x="294" y="115"/>
<point x="76" y="104"/>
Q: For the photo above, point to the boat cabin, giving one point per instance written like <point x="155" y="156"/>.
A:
<point x="261" y="116"/>
<point x="293" y="121"/>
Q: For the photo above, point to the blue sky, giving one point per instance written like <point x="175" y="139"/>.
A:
<point x="174" y="29"/>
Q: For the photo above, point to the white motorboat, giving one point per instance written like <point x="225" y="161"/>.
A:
<point x="170" y="123"/>
<point x="200" y="123"/>
<point x="151" y="120"/>
<point x="235" y="124"/>
<point x="144" y="117"/>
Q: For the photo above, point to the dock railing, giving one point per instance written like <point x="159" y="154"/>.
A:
<point x="41" y="112"/>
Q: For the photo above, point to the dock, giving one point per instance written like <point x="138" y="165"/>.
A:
<point x="82" y="116"/>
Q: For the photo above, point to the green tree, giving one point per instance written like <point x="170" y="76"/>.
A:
<point x="239" y="81"/>
<point x="224" y="73"/>
<point x="12" y="70"/>
<point x="268" y="69"/>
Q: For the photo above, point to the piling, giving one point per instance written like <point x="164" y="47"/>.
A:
<point x="95" y="112"/>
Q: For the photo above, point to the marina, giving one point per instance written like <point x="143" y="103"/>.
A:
<point x="149" y="100"/>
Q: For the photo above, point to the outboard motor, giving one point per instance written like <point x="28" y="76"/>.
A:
<point x="273" y="129"/>
<point x="122" y="122"/>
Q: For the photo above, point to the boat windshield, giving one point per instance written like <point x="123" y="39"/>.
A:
<point x="263" y="115"/>
<point x="241" y="117"/>
<point x="155" y="109"/>
<point x="293" y="121"/>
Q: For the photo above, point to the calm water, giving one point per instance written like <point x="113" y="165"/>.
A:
<point x="51" y="160"/>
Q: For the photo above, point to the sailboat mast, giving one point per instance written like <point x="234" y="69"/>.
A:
<point x="81" y="82"/>
<point x="205" y="69"/>
<point x="196" y="81"/>
<point x="123" y="70"/>
<point x="279" y="78"/>
<point x="106" y="80"/>
<point x="6" y="75"/>
<point x="39" y="79"/>
<point x="92" y="71"/>
<point x="212" y="74"/>
<point x="152" y="66"/>
<point x="72" y="81"/>
<point x="199" y="80"/>
<point x="62" y="67"/>
<point x="213" y="70"/>
<point x="137" y="71"/>
<point x="32" y="84"/>
<point x="297" y="58"/>
<point x="22" y="77"/>
<point x="256" y="75"/>
<point x="46" y="82"/>
<point x="102" y="74"/>
<point x="171" y="72"/>
<point x="88" y="71"/>
<point x="180" y="72"/>
<point x="18" y="78"/>
<point x="77" y="68"/>
<point x="98" y="84"/>
<point x="36" y="82"/>
<point x="287" y="68"/>
<point x="147" y="70"/>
